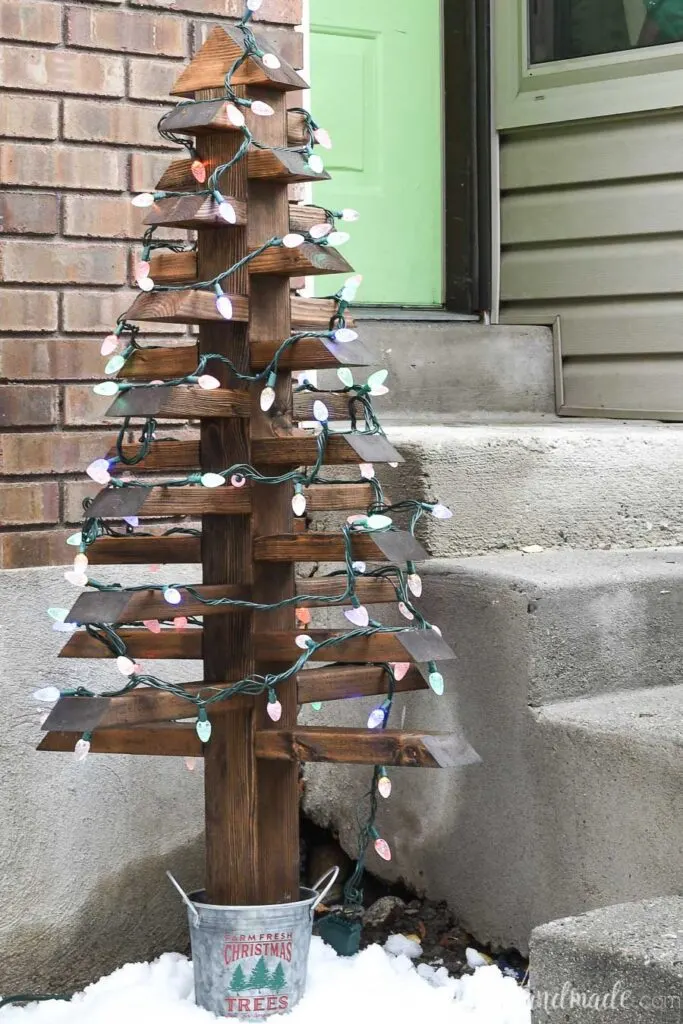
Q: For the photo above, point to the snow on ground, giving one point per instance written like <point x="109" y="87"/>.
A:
<point x="370" y="988"/>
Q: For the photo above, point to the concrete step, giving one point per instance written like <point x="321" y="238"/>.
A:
<point x="566" y="483"/>
<point x="580" y="795"/>
<point x="440" y="371"/>
<point x="622" y="963"/>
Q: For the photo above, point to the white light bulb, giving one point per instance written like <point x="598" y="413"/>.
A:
<point x="108" y="388"/>
<point x="345" y="376"/>
<point x="316" y="164"/>
<point x="75" y="539"/>
<point x="125" y="666"/>
<point x="320" y="230"/>
<point x="359" y="567"/>
<point x="115" y="364"/>
<point x="47" y="695"/>
<point x="358" y="616"/>
<point x="320" y="411"/>
<point x="269" y="60"/>
<point x="143" y="199"/>
<point x="224" y="306"/>
<point x="212" y="480"/>
<point x="58" y="614"/>
<point x="254" y="5"/>
<point x="384" y="787"/>
<point x="349" y="216"/>
<point x="262" y="109"/>
<point x="82" y="749"/>
<point x="437" y="630"/>
<point x="378" y="522"/>
<point x="299" y="504"/>
<point x="267" y="399"/>
<point x="322" y="137"/>
<point x="227" y="211"/>
<point x="208" y="383"/>
<point x="110" y="344"/>
<point x="382" y="849"/>
<point x="415" y="584"/>
<point x="350" y="289"/>
<point x="235" y="115"/>
<point x="172" y="595"/>
<point x="441" y="512"/>
<point x="79" y="579"/>
<point x="303" y="641"/>
<point x="146" y="284"/>
<point x="203" y="729"/>
<point x="367" y="470"/>
<point x="344" y="335"/>
<point x="376" y="382"/>
<point x="81" y="562"/>
<point x="338" y="238"/>
<point x="293" y="240"/>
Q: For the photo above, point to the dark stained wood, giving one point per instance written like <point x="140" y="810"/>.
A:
<point x="173" y="267"/>
<point x="276" y="646"/>
<point x="313" y="314"/>
<point x="297" y="133"/>
<point x="123" y="606"/>
<point x="183" y="402"/>
<point x="303" y="217"/>
<point x="209" y="66"/>
<point x="145" y="704"/>
<point x="144" y="550"/>
<point x="185" y="307"/>
<point x="285" y="166"/>
<point x="178" y="176"/>
<point x="278" y="791"/>
<point x="306" y="260"/>
<point x="316" y="547"/>
<point x="117" y="502"/>
<point x="189" y="211"/>
<point x="200" y="118"/>
<point x="178" y="740"/>
<point x="366" y="746"/>
<point x="232" y="867"/>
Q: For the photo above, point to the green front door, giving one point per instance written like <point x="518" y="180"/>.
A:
<point x="376" y="79"/>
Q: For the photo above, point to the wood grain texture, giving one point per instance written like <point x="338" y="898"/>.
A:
<point x="276" y="647"/>
<point x="177" y="740"/>
<point x="365" y="746"/>
<point x="315" y="547"/>
<point x="183" y="402"/>
<point x="185" y="307"/>
<point x="307" y="260"/>
<point x="200" y="118"/>
<point x="285" y="166"/>
<point x="153" y="502"/>
<point x="303" y="217"/>
<point x="145" y="705"/>
<point x="173" y="267"/>
<point x="209" y="66"/>
<point x="190" y="211"/>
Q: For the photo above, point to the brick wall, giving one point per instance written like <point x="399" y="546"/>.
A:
<point x="82" y="86"/>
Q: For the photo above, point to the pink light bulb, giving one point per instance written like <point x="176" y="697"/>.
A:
<point x="322" y="137"/>
<point x="400" y="669"/>
<point x="142" y="269"/>
<point x="274" y="710"/>
<point x="262" y="109"/>
<point x="99" y="471"/>
<point x="190" y="763"/>
<point x="235" y="115"/>
<point x="198" y="171"/>
<point x="405" y="611"/>
<point x="382" y="849"/>
<point x="320" y="230"/>
<point x="237" y="480"/>
<point x="367" y="470"/>
<point x="153" y="625"/>
<point x="180" y="622"/>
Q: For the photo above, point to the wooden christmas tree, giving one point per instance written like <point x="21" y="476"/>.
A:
<point x="250" y="477"/>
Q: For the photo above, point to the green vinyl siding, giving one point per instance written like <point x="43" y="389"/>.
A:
<point x="377" y="87"/>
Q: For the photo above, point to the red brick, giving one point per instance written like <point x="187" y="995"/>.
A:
<point x="146" y="169"/>
<point x="124" y="123"/>
<point x="109" y="217"/>
<point x="29" y="117"/>
<point x="28" y="503"/>
<point x="74" y="493"/>
<point x="26" y="213"/>
<point x="152" y="79"/>
<point x="23" y="405"/>
<point x="28" y="310"/>
<point x="82" y="407"/>
<point x="24" y="549"/>
<point x="61" y="71"/>
<point x="98" y="311"/>
<point x="286" y="12"/>
<point x="284" y="42"/>
<point x="31" y="22"/>
<point x="55" y="358"/>
<point x="63" y="262"/>
<point x="128" y="31"/>
<point x="27" y="454"/>
<point x="62" y="166"/>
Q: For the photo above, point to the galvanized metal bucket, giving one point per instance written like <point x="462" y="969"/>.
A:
<point x="250" y="962"/>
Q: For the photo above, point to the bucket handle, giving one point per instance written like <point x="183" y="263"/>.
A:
<point x="327" y="880"/>
<point x="184" y="897"/>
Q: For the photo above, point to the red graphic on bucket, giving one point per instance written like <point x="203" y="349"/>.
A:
<point x="262" y="977"/>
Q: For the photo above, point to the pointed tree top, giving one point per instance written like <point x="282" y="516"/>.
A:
<point x="209" y="66"/>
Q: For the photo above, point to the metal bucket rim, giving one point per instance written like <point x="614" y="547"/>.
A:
<point x="201" y="904"/>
